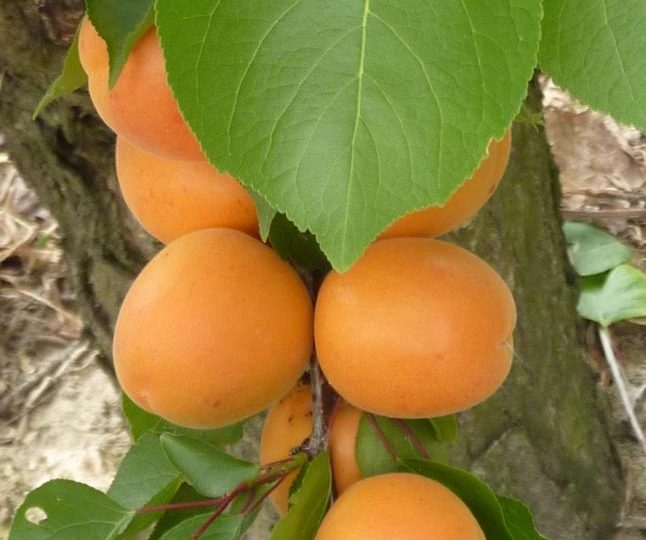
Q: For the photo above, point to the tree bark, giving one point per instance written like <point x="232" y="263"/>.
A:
<point x="542" y="438"/>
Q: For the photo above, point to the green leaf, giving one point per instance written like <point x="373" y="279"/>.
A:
<point x="445" y="427"/>
<point x="142" y="422"/>
<point x="72" y="78"/>
<point x="377" y="107"/>
<point x="519" y="520"/>
<point x="266" y="214"/>
<point x="593" y="251"/>
<point x="374" y="457"/>
<point x="145" y="478"/>
<point x="479" y="497"/>
<point x="308" y="504"/>
<point x="168" y="520"/>
<point x="67" y="510"/>
<point x="210" y="471"/>
<point x="224" y="528"/>
<point x="613" y="297"/>
<point x="593" y="49"/>
<point x="120" y="24"/>
<point x="300" y="248"/>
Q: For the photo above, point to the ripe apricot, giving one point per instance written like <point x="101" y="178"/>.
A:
<point x="140" y="107"/>
<point x="399" y="506"/>
<point x="289" y="424"/>
<point x="464" y="203"/>
<point x="214" y="329"/>
<point x="416" y="328"/>
<point x="173" y="197"/>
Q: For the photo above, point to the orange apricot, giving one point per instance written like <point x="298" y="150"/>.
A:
<point x="140" y="107"/>
<point x="399" y="506"/>
<point x="416" y="328"/>
<point x="464" y="203"/>
<point x="171" y="197"/>
<point x="213" y="330"/>
<point x="289" y="424"/>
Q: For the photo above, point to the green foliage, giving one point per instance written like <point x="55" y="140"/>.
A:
<point x="613" y="297"/>
<point x="266" y="214"/>
<point x="446" y="428"/>
<point x="145" y="478"/>
<point x="72" y="78"/>
<point x="368" y="117"/>
<point x="381" y="447"/>
<point x="120" y="24"/>
<point x="210" y="471"/>
<point x="142" y="422"/>
<point x="308" y="504"/>
<point x="595" y="49"/>
<point x="499" y="518"/>
<point x="300" y="248"/>
<point x="225" y="528"/>
<point x="593" y="251"/>
<point x="67" y="510"/>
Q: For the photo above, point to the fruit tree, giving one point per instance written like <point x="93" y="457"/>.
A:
<point x="333" y="140"/>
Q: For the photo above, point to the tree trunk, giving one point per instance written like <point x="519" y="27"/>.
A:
<point x="542" y="438"/>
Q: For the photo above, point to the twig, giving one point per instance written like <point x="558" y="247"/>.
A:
<point x="381" y="436"/>
<point x="410" y="435"/>
<point x="606" y="344"/>
<point x="318" y="439"/>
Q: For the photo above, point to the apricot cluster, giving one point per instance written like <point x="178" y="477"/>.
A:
<point x="217" y="327"/>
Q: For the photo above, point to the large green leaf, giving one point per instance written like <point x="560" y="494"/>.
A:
<point x="120" y="24"/>
<point x="66" y="510"/>
<point x="613" y="297"/>
<point x="346" y="114"/>
<point x="308" y="504"/>
<point x="595" y="49"/>
<point x="72" y="78"/>
<point x="142" y="422"/>
<point x="593" y="251"/>
<point x="210" y="471"/>
<point x="519" y="519"/>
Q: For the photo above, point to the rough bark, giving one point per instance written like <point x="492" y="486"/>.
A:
<point x="542" y="438"/>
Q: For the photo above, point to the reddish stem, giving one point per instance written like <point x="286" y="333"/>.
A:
<point x="410" y="434"/>
<point x="180" y="506"/>
<point x="225" y="504"/>
<point x="381" y="436"/>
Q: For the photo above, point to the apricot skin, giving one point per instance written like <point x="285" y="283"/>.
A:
<point x="215" y="329"/>
<point x="464" y="203"/>
<point x="140" y="107"/>
<point x="399" y="506"/>
<point x="289" y="423"/>
<point x="416" y="328"/>
<point x="172" y="197"/>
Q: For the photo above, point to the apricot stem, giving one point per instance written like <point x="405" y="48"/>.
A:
<point x="318" y="439"/>
<point x="410" y="435"/>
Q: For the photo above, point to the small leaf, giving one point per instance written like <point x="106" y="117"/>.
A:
<point x="308" y="504"/>
<point x="120" y="24"/>
<point x="142" y="422"/>
<point x="593" y="251"/>
<point x="210" y="471"/>
<point x="445" y="427"/>
<point x="300" y="248"/>
<point x="224" y="528"/>
<point x="374" y="457"/>
<point x="145" y="477"/>
<point x="613" y="297"/>
<point x="72" y="78"/>
<point x="479" y="497"/>
<point x="67" y="510"/>
<point x="592" y="49"/>
<point x="519" y="520"/>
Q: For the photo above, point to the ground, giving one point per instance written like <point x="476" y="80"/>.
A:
<point x="59" y="410"/>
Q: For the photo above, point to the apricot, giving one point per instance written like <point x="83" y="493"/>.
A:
<point x="289" y="424"/>
<point x="213" y="330"/>
<point x="416" y="328"/>
<point x="464" y="203"/>
<point x="171" y="197"/>
<point x="140" y="107"/>
<point x="399" y="506"/>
